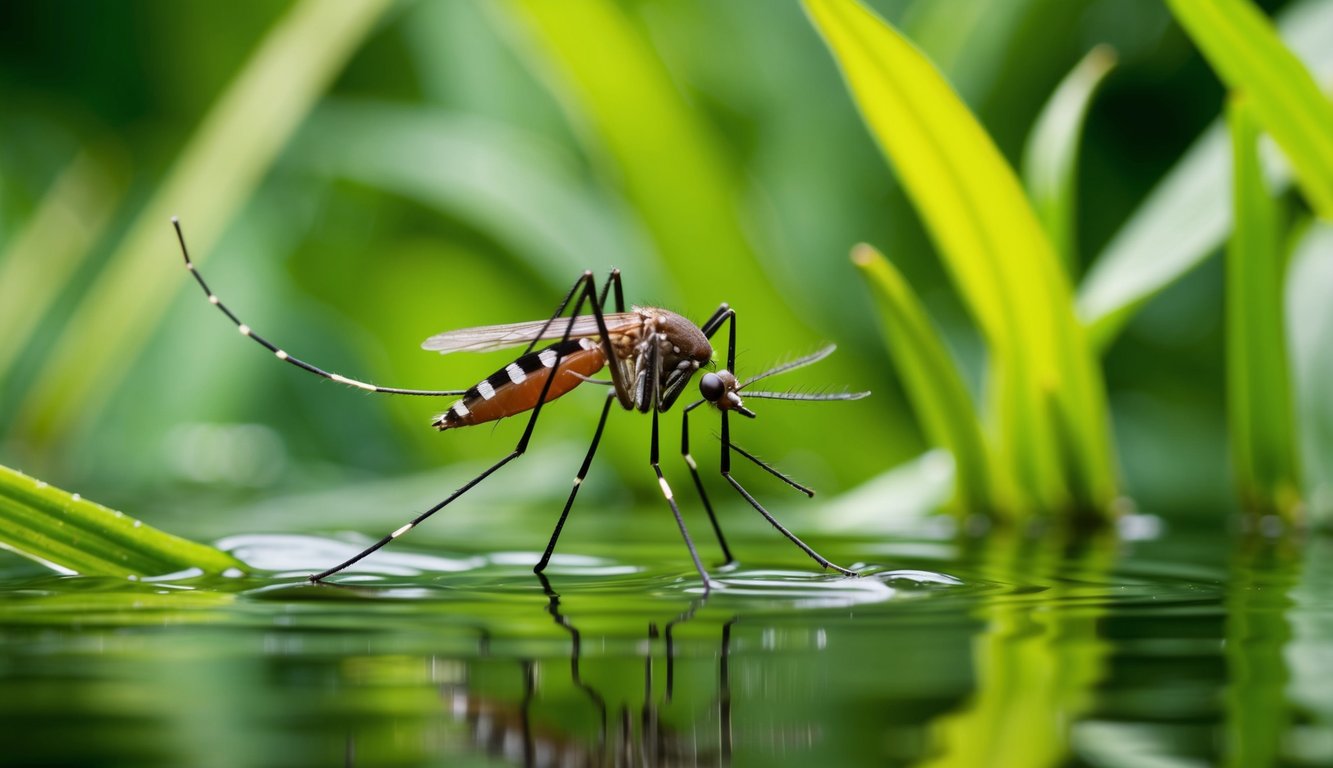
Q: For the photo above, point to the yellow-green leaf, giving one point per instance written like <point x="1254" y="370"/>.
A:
<point x="1259" y="394"/>
<point x="1050" y="159"/>
<point x="68" y="533"/>
<point x="222" y="164"/>
<point x="994" y="248"/>
<point x="1244" y="49"/>
<point x="932" y="381"/>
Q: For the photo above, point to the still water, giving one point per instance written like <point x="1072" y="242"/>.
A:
<point x="1190" y="649"/>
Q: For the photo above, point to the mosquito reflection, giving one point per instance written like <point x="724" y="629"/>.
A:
<point x="621" y="724"/>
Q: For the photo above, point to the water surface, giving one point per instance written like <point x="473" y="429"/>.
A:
<point x="1191" y="649"/>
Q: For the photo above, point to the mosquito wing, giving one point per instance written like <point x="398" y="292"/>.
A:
<point x="489" y="337"/>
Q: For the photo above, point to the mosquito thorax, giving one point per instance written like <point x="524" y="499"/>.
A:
<point x="681" y="342"/>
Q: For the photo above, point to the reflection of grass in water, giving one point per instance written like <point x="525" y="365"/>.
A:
<point x="1258" y="718"/>
<point x="1037" y="664"/>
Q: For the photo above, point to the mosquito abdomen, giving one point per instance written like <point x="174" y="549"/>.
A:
<point x="516" y="387"/>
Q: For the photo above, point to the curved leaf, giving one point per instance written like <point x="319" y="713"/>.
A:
<point x="1245" y="51"/>
<point x="1309" y="324"/>
<point x="1052" y="413"/>
<point x="67" y="533"/>
<point x="522" y="190"/>
<point x="1188" y="214"/>
<point x="1050" y="158"/>
<point x="222" y="164"/>
<point x="936" y="390"/>
<point x="1263" y="443"/>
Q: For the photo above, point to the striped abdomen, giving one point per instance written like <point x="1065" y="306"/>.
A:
<point x="516" y="387"/>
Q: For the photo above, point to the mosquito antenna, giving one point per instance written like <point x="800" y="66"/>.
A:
<point x="280" y="353"/>
<point x="770" y="469"/>
<point x="799" y="362"/>
<point x="812" y="396"/>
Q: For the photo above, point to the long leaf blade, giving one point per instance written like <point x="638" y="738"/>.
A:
<point x="996" y="252"/>
<point x="1246" y="52"/>
<point x="1309" y="325"/>
<point x="225" y="160"/>
<point x="68" y="533"/>
<point x="1050" y="158"/>
<point x="1188" y="215"/>
<point x="1263" y="443"/>
<point x="932" y="381"/>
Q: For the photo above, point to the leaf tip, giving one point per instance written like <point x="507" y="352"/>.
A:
<point x="863" y="255"/>
<point x="1103" y="57"/>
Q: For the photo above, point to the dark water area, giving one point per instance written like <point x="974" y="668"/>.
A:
<point x="1191" y="648"/>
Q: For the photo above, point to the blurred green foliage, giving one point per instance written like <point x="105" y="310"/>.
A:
<point x="454" y="164"/>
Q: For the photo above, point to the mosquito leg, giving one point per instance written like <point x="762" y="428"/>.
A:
<point x="282" y="354"/>
<point x="582" y="284"/>
<point x="716" y="319"/>
<point x="613" y="280"/>
<point x="578" y="483"/>
<point x="726" y="472"/>
<point x="654" y="459"/>
<point x="588" y="293"/>
<point x="727" y="447"/>
<point x="699" y="484"/>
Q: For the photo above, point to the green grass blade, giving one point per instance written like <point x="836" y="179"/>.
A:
<point x="996" y="252"/>
<point x="936" y="390"/>
<point x="1309" y="325"/>
<point x="67" y="533"/>
<point x="34" y="269"/>
<point x="216" y="172"/>
<point x="1050" y="158"/>
<point x="1259" y="397"/>
<point x="1246" y="52"/>
<point x="520" y="189"/>
<point x="665" y="162"/>
<point x="1188" y="215"/>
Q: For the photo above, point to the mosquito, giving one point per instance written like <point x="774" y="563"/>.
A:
<point x="651" y="355"/>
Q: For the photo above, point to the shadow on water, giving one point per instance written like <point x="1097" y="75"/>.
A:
<point x="994" y="651"/>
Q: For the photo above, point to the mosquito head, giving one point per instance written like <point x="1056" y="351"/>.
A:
<point x="723" y="390"/>
<point x="711" y="387"/>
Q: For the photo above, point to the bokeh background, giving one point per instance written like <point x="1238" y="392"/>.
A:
<point x="457" y="163"/>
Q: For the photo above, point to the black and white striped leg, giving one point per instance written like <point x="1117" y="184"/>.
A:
<point x="589" y="293"/>
<point x="698" y="482"/>
<point x="578" y="483"/>
<point x="726" y="472"/>
<point x="282" y="354"/>
<point x="654" y="458"/>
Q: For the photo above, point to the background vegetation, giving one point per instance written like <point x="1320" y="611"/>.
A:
<point x="354" y="179"/>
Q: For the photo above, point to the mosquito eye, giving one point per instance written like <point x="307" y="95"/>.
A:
<point x="711" y="386"/>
